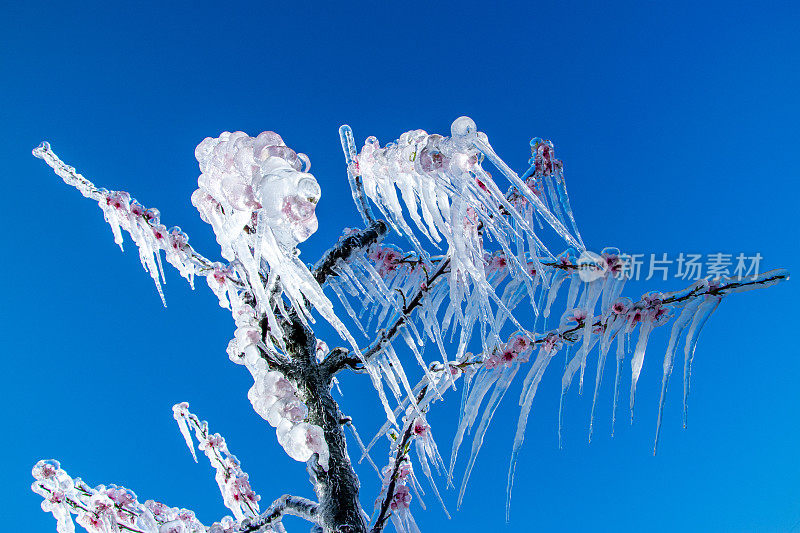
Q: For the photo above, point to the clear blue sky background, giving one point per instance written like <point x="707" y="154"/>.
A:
<point x="677" y="124"/>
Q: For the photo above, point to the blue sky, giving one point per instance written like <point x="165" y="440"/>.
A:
<point x="677" y="124"/>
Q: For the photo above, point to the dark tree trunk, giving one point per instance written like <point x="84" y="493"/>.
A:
<point x="337" y="488"/>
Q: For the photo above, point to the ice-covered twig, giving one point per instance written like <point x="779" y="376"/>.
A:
<point x="403" y="447"/>
<point x="286" y="504"/>
<point x="411" y="303"/>
<point x="233" y="482"/>
<point x="143" y="225"/>
<point x="104" y="509"/>
<point x="347" y="247"/>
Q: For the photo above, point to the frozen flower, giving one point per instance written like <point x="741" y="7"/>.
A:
<point x="420" y="427"/>
<point x="401" y="499"/>
<point x="621" y="306"/>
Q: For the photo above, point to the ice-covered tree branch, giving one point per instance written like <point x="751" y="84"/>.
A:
<point x="348" y="245"/>
<point x="286" y="504"/>
<point x="484" y="256"/>
<point x="402" y="447"/>
<point x="145" y="228"/>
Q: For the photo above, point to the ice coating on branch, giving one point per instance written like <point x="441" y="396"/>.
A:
<point x="277" y="401"/>
<point x="275" y="398"/>
<point x="233" y="482"/>
<point x="105" y="509"/>
<point x="143" y="225"/>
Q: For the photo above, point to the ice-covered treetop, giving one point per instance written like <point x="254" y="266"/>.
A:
<point x="476" y="262"/>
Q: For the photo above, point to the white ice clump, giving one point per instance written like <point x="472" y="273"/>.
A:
<point x="260" y="199"/>
<point x="274" y="397"/>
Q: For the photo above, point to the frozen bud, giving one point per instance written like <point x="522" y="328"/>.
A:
<point x="93" y="523"/>
<point x="137" y="209"/>
<point x="520" y="344"/>
<point x="46" y="469"/>
<point x="661" y="315"/>
<point x="315" y="440"/>
<point x="321" y="350"/>
<point x="213" y="442"/>
<point x="247" y="335"/>
<point x="152" y="216"/>
<point x="161" y="236"/>
<point x="173" y="526"/>
<point x="100" y="503"/>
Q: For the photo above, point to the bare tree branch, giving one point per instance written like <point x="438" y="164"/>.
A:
<point x="339" y="359"/>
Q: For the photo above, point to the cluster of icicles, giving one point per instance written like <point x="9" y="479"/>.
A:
<point x="111" y="509"/>
<point x="488" y="376"/>
<point x="406" y="485"/>
<point x="259" y="198"/>
<point x="452" y="200"/>
<point x="280" y="407"/>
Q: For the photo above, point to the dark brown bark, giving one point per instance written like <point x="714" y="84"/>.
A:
<point x="337" y="487"/>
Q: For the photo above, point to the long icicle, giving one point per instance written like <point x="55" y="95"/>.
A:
<point x="705" y="310"/>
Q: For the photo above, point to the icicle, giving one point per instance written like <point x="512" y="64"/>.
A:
<point x="350" y="156"/>
<point x="572" y="294"/>
<point x="374" y="375"/>
<point x="397" y="366"/>
<point x="179" y="413"/>
<point x="523" y="188"/>
<point x="502" y="384"/>
<point x="620" y="357"/>
<point x="386" y="369"/>
<point x="564" y="198"/>
<point x="705" y="310"/>
<point x="612" y="326"/>
<point x="483" y="382"/>
<point x="364" y="451"/>
<point x="638" y="356"/>
<point x="591" y="294"/>
<point x="529" y="387"/>
<point x="426" y="469"/>
<point x="678" y="327"/>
